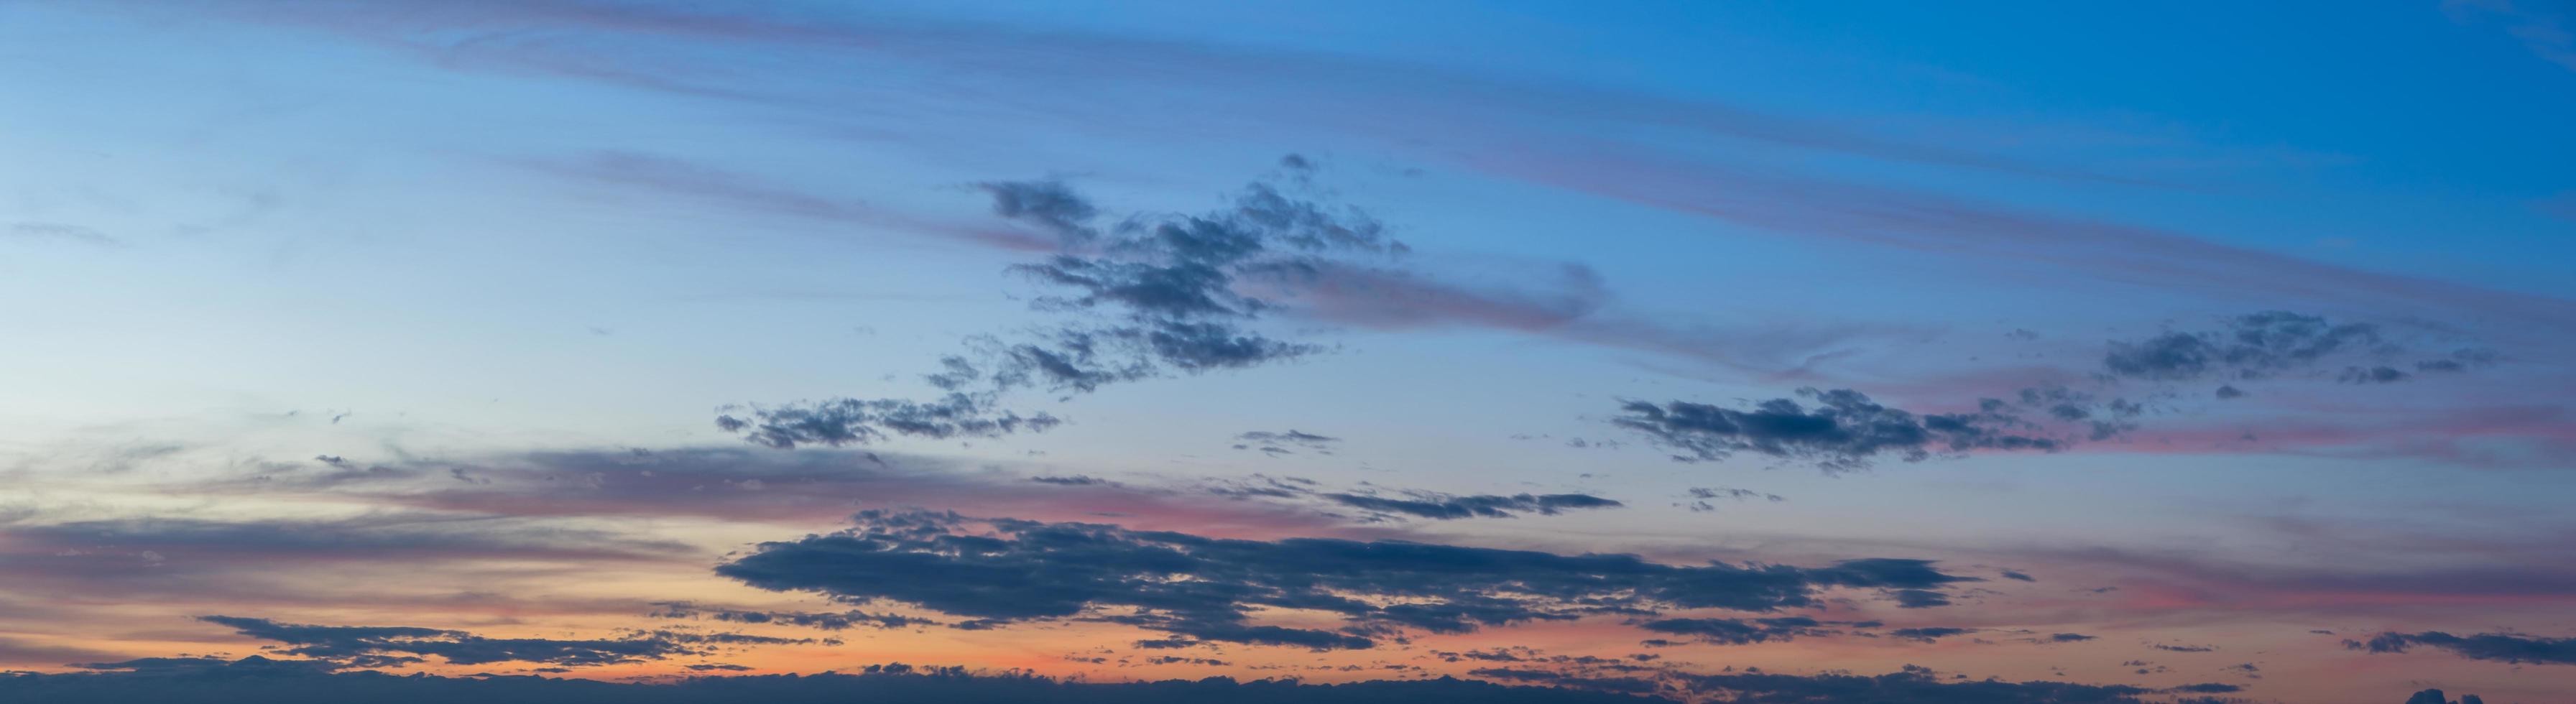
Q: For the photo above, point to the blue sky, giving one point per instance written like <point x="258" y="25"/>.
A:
<point x="442" y="242"/>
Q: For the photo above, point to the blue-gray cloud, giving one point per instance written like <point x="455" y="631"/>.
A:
<point x="1209" y="589"/>
<point x="2507" y="647"/>
<point x="1843" y="430"/>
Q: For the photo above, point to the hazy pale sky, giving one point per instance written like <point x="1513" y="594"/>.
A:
<point x="2166" y="351"/>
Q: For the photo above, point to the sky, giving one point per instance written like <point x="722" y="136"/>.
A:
<point x="1856" y="351"/>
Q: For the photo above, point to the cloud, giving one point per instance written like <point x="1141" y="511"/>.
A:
<point x="2248" y="346"/>
<point x="671" y="180"/>
<point x="1048" y="204"/>
<point x="168" y="552"/>
<point x="1731" y="631"/>
<point x="851" y="421"/>
<point x="1276" y="444"/>
<point x="2507" y="647"/>
<point x="1445" y="507"/>
<point x="1929" y="633"/>
<point x="829" y="621"/>
<point x="389" y="646"/>
<point x="1213" y="589"/>
<point x="272" y="681"/>
<point x="1844" y="430"/>
<point x="1149" y="296"/>
<point x="1752" y="686"/>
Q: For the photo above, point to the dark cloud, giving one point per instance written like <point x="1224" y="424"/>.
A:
<point x="1913" y="684"/>
<point x="1702" y="496"/>
<point x="829" y="620"/>
<point x="1443" y="507"/>
<point x="2247" y="346"/>
<point x="1730" y="631"/>
<point x="270" y="681"/>
<point x="1274" y="443"/>
<point x="1211" y="589"/>
<point x="1920" y="599"/>
<point x="2435" y="696"/>
<point x="1148" y="296"/>
<point x="2507" y="647"/>
<point x="1929" y="633"/>
<point x="1844" y="430"/>
<point x="1381" y="504"/>
<point x="1049" y="204"/>
<point x="852" y="421"/>
<point x="387" y="646"/>
<point x="2019" y="577"/>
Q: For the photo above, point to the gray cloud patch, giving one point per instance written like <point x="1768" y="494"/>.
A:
<point x="2246" y="346"/>
<point x="1443" y="507"/>
<point x="1843" y="430"/>
<point x="384" y="646"/>
<point x="2506" y="647"/>
<point x="1278" y="443"/>
<point x="1212" y="589"/>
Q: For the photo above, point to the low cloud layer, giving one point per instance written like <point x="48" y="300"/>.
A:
<point x="390" y="646"/>
<point x="271" y="681"/>
<point x="1212" y="589"/>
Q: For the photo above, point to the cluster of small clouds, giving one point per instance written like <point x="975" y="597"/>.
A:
<point x="1143" y="296"/>
<point x="1843" y="429"/>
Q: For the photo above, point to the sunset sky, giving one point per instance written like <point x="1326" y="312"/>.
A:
<point x="2077" y="352"/>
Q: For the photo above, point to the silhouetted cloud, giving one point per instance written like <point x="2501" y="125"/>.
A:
<point x="1211" y="589"/>
<point x="829" y="620"/>
<point x="1843" y="431"/>
<point x="270" y="681"/>
<point x="1381" y="504"/>
<point x="2507" y="647"/>
<point x="1730" y="631"/>
<point x="1929" y="633"/>
<point x="1913" y="684"/>
<point x="1444" y="507"/>
<point x="385" y="646"/>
